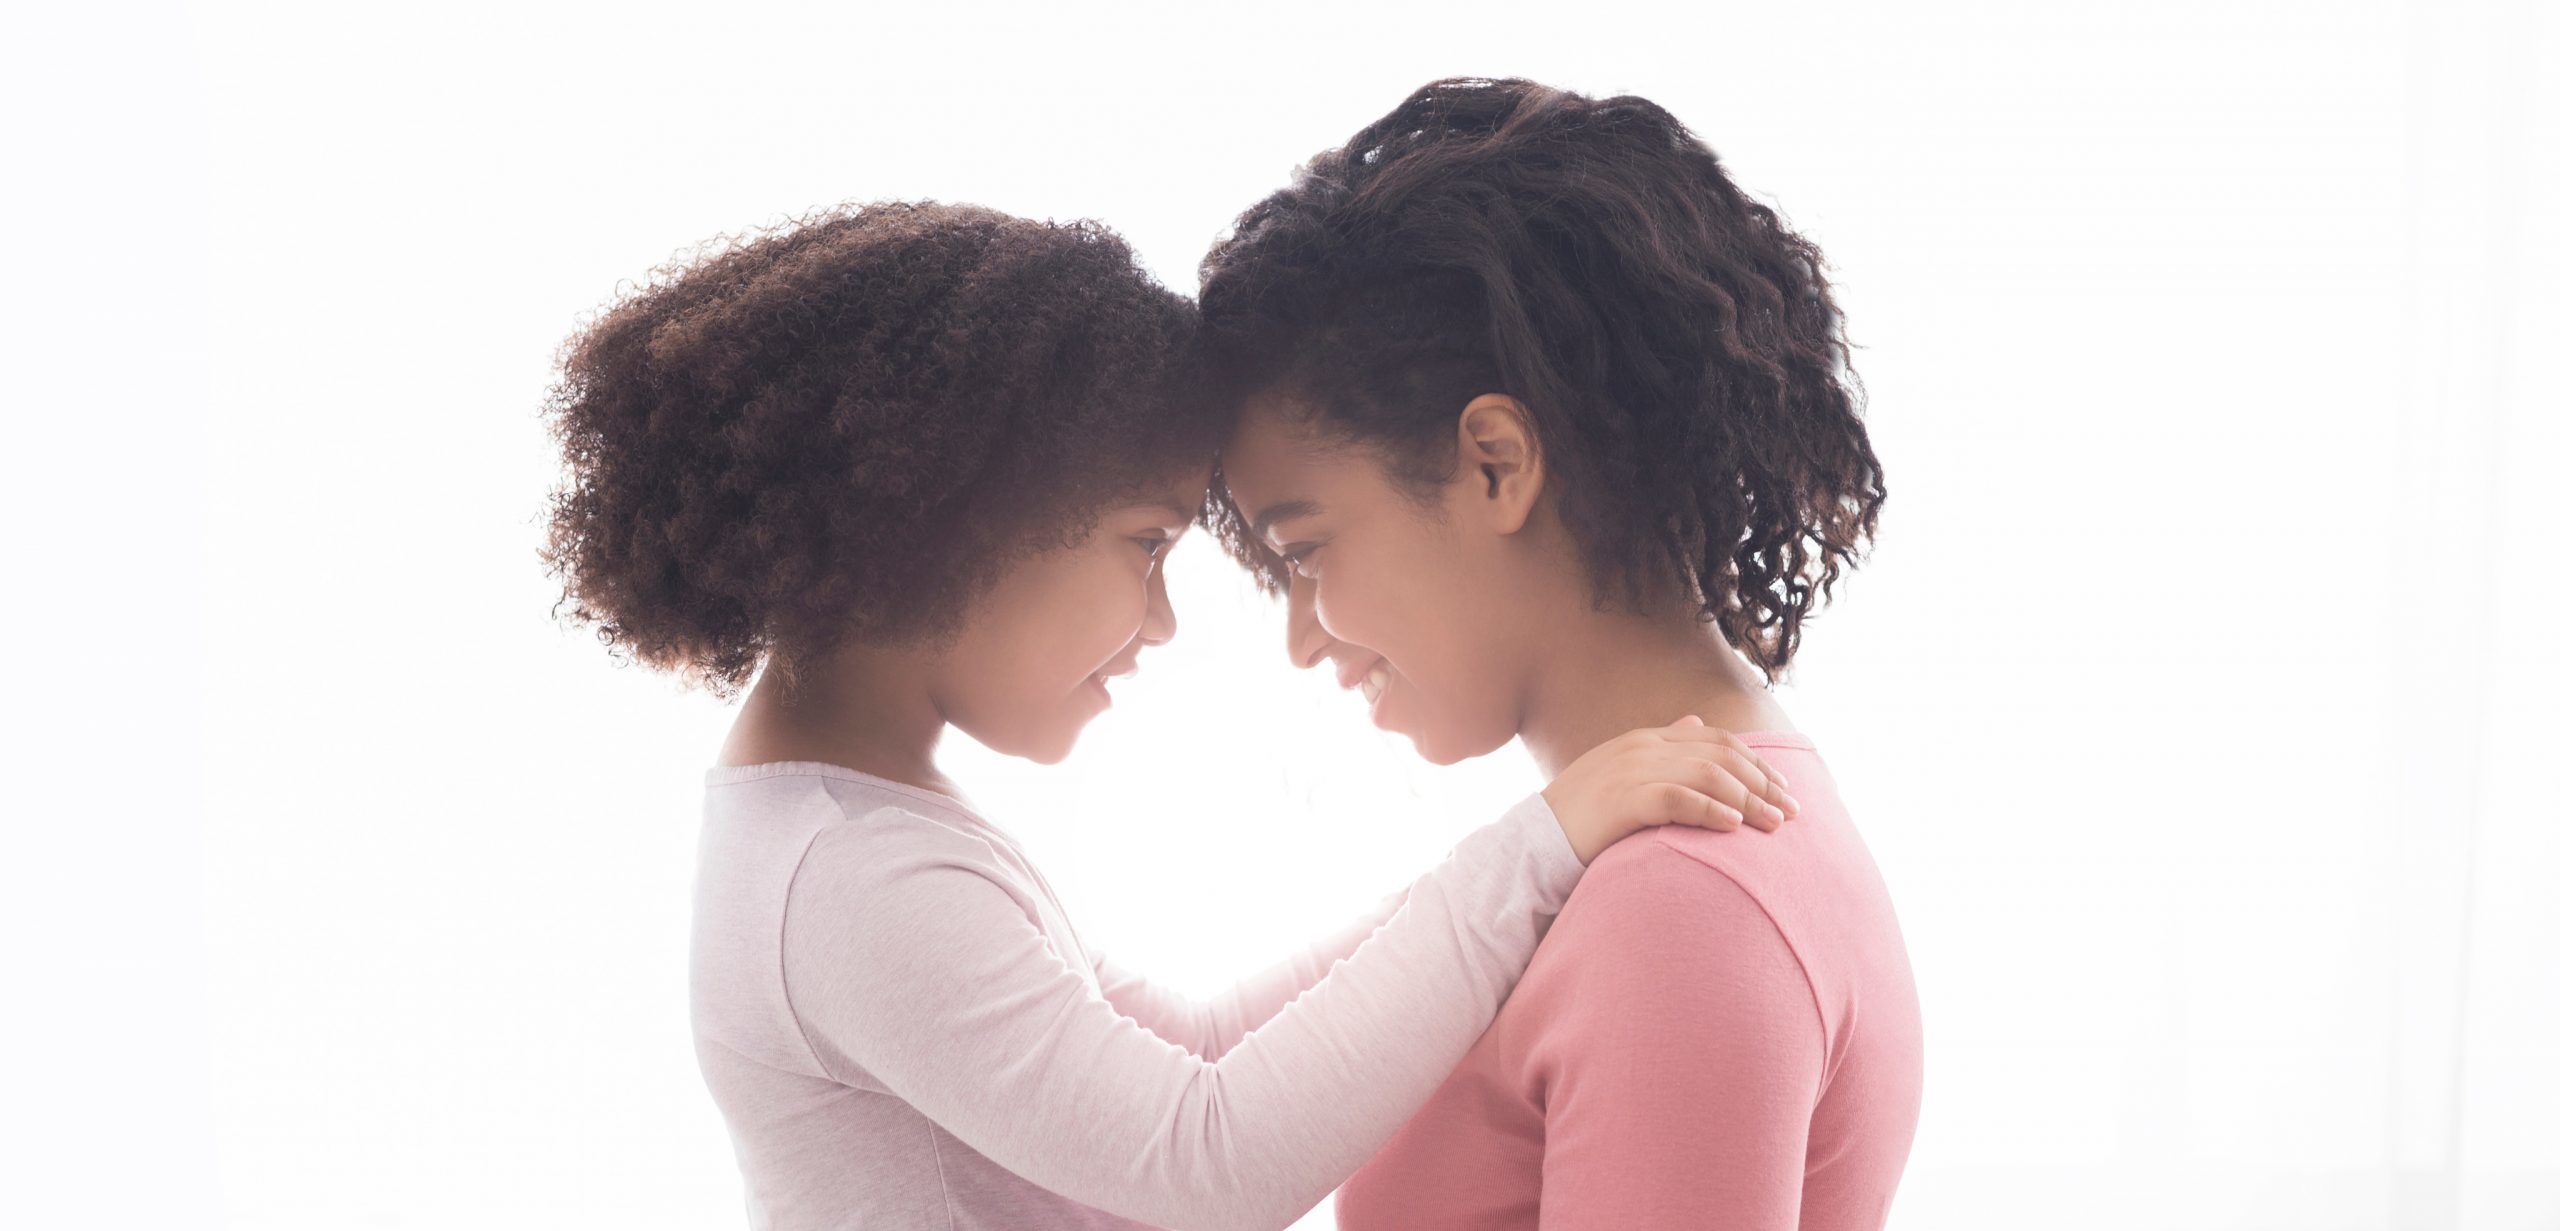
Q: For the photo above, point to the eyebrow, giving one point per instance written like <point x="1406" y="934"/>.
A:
<point x="1174" y="507"/>
<point x="1284" y="511"/>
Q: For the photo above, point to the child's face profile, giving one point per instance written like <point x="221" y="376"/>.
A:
<point x="1029" y="668"/>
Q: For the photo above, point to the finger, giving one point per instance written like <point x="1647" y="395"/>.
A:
<point x="1730" y="779"/>
<point x="1771" y="771"/>
<point x="1678" y="805"/>
<point x="1762" y="778"/>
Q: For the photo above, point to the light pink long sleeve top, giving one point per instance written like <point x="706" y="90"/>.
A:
<point x="902" y="1028"/>
<point x="1714" y="1034"/>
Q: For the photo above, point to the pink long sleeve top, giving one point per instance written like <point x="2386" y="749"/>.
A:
<point x="1714" y="1034"/>
<point x="902" y="1028"/>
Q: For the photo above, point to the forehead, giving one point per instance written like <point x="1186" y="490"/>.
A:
<point x="1185" y="487"/>
<point x="1178" y="491"/>
<point x="1274" y="454"/>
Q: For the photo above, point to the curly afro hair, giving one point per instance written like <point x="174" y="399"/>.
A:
<point x="844" y="426"/>
<point x="1674" y="343"/>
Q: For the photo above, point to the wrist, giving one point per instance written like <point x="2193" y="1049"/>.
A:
<point x="1578" y="838"/>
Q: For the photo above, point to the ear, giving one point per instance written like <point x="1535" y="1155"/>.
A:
<point x="1500" y="470"/>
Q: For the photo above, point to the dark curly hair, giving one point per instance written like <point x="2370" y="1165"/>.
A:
<point x="843" y="426"/>
<point x="1674" y="343"/>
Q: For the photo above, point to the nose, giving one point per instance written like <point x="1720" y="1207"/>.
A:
<point x="1159" y="624"/>
<point x="1307" y="638"/>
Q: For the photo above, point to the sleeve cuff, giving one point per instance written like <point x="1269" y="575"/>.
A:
<point x="1553" y="866"/>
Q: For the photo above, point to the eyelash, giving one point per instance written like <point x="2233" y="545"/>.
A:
<point x="1155" y="547"/>
<point x="1290" y="560"/>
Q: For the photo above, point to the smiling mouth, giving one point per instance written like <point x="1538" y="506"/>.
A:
<point x="1101" y="680"/>
<point x="1374" y="683"/>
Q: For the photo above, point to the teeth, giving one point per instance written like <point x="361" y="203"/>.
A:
<point x="1374" y="683"/>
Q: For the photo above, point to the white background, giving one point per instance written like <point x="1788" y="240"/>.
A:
<point x="2197" y="704"/>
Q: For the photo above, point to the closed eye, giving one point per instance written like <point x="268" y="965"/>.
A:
<point x="1296" y="558"/>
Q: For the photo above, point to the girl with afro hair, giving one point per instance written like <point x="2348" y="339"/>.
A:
<point x="906" y="466"/>
<point x="1548" y="430"/>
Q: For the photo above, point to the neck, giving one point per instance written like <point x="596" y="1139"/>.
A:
<point x="1617" y="672"/>
<point x="861" y="708"/>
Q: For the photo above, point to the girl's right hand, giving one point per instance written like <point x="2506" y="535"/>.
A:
<point x="1687" y="773"/>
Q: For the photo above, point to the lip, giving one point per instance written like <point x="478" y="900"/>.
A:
<point x="1099" y="681"/>
<point x="1378" y="703"/>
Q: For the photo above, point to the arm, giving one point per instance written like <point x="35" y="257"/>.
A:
<point x="911" y="955"/>
<point x="1684" y="1057"/>
<point x="1208" y="1029"/>
<point x="1726" y="785"/>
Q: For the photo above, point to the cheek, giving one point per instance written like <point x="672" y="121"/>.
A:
<point x="1054" y="624"/>
<point x="1403" y="599"/>
<point x="1087" y="621"/>
<point x="1436" y="621"/>
<point x="1019" y="685"/>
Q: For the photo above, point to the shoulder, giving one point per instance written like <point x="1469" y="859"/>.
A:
<point x="893" y="892"/>
<point x="1660" y="916"/>
<point x="1671" y="872"/>
<point x="868" y="855"/>
<point x="1660" y="884"/>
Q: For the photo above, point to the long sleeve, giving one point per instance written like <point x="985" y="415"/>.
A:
<point x="1685" y="1056"/>
<point x="1208" y="1028"/>
<point x="912" y="954"/>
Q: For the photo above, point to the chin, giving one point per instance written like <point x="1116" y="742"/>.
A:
<point x="1435" y="758"/>
<point x="1052" y="751"/>
<point x="1444" y="751"/>
<point x="1040" y="747"/>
